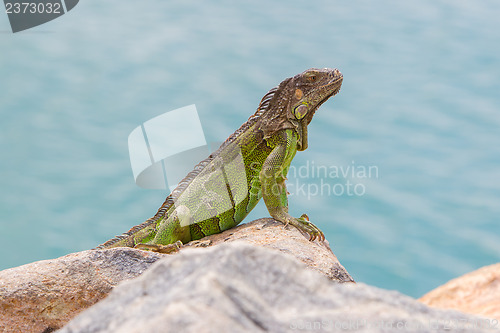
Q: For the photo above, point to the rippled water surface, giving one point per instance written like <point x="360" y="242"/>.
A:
<point x="419" y="107"/>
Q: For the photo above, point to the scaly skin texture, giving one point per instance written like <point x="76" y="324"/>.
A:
<point x="251" y="164"/>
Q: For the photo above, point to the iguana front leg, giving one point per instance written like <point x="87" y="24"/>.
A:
<point x="272" y="179"/>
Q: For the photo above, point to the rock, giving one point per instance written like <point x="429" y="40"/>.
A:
<point x="477" y="293"/>
<point x="272" y="234"/>
<point x="243" y="288"/>
<point x="43" y="296"/>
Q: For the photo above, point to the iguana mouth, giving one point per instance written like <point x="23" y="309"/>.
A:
<point x="338" y="83"/>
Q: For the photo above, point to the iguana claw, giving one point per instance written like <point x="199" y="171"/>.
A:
<point x="303" y="224"/>
<point x="200" y="243"/>
<point x="169" y="248"/>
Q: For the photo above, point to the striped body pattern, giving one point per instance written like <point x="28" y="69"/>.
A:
<point x="251" y="164"/>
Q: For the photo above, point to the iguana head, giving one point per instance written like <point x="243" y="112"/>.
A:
<point x="293" y="103"/>
<point x="311" y="89"/>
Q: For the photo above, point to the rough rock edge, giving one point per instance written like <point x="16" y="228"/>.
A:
<point x="269" y="233"/>
<point x="242" y="288"/>
<point x="44" y="295"/>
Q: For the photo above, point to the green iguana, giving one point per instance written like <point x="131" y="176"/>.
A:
<point x="251" y="164"/>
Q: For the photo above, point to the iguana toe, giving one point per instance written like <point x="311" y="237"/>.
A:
<point x="303" y="224"/>
<point x="169" y="248"/>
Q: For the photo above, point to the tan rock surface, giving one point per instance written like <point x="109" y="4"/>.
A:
<point x="476" y="293"/>
<point x="271" y="234"/>
<point x="44" y="295"/>
<point x="237" y="287"/>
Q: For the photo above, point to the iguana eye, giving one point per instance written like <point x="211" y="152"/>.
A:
<point x="312" y="78"/>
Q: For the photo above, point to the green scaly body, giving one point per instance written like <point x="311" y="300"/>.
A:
<point x="251" y="164"/>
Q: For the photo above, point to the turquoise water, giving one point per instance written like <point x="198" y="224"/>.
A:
<point x="420" y="106"/>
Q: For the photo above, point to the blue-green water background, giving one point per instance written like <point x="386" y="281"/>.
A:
<point x="420" y="101"/>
